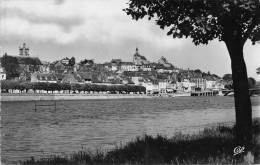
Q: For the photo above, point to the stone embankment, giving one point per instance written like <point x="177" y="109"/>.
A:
<point x="50" y="96"/>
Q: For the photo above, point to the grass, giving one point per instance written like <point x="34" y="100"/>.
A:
<point x="211" y="146"/>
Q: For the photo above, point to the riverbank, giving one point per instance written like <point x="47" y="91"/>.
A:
<point x="69" y="96"/>
<point x="213" y="145"/>
<point x="56" y="96"/>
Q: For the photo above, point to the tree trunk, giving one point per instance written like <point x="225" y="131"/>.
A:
<point x="241" y="93"/>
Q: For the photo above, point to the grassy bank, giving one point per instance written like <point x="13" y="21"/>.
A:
<point x="210" y="146"/>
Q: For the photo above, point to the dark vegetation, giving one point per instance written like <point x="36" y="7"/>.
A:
<point x="6" y="85"/>
<point x="210" y="146"/>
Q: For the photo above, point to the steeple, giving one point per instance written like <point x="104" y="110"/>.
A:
<point x="136" y="49"/>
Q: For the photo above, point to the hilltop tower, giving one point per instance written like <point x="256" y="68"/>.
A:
<point x="24" y="51"/>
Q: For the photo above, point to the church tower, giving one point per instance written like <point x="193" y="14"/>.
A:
<point x="24" y="51"/>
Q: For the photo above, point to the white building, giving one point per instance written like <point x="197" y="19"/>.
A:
<point x="129" y="66"/>
<point x="186" y="85"/>
<point x="40" y="77"/>
<point x="2" y="73"/>
<point x="162" y="86"/>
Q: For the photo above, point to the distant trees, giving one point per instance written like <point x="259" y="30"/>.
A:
<point x="198" y="71"/>
<point x="258" y="70"/>
<point x="228" y="86"/>
<point x="26" y="86"/>
<point x="227" y="77"/>
<point x="11" y="66"/>
<point x="72" y="61"/>
<point x="251" y="82"/>
<point x="179" y="77"/>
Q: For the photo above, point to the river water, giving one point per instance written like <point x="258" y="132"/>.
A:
<point x="96" y="124"/>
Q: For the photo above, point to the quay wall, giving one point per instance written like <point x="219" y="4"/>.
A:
<point x="37" y="97"/>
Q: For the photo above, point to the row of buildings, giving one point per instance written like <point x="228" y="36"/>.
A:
<point x="159" y="76"/>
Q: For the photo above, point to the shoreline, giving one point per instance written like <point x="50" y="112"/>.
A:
<point x="10" y="97"/>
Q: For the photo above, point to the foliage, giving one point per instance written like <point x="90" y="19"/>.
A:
<point x="251" y="82"/>
<point x="5" y="84"/>
<point x="65" y="86"/>
<point x="29" y="61"/>
<point x="54" y="86"/>
<point x="201" y="20"/>
<point x="26" y="86"/>
<point x="228" y="86"/>
<point x="214" y="75"/>
<point x="11" y="66"/>
<point x="198" y="71"/>
<point x="227" y="77"/>
<point x="179" y="77"/>
<point x="8" y="84"/>
<point x="72" y="61"/>
<point x="258" y="70"/>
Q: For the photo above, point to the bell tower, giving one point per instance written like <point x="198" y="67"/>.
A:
<point x="24" y="51"/>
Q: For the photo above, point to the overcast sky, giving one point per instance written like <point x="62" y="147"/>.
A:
<point x="100" y="30"/>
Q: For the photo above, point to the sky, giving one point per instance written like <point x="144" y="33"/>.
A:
<point x="100" y="30"/>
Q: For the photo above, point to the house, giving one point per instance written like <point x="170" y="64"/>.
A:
<point x="159" y="68"/>
<point x="2" y="73"/>
<point x="128" y="66"/>
<point x="137" y="80"/>
<point x="58" y="65"/>
<point x="162" y="86"/>
<point x="147" y="67"/>
<point x="165" y="63"/>
<point x="170" y="87"/>
<point x="187" y="85"/>
<point x="60" y="76"/>
<point x="200" y="82"/>
<point x="210" y="83"/>
<point x="114" y="66"/>
<point x="108" y="66"/>
<point x="87" y="77"/>
<point x="85" y="67"/>
<point x="72" y="78"/>
<point x="65" y="61"/>
<point x="45" y="67"/>
<point x="43" y="77"/>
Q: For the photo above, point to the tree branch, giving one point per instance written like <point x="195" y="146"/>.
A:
<point x="249" y="30"/>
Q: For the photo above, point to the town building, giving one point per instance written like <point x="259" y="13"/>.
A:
<point x="200" y="82"/>
<point x="128" y="66"/>
<point x="2" y="73"/>
<point x="43" y="77"/>
<point x="163" y="61"/>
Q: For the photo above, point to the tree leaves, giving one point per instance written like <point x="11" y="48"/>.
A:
<point x="201" y="20"/>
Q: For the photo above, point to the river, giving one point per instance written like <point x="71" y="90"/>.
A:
<point x="95" y="124"/>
